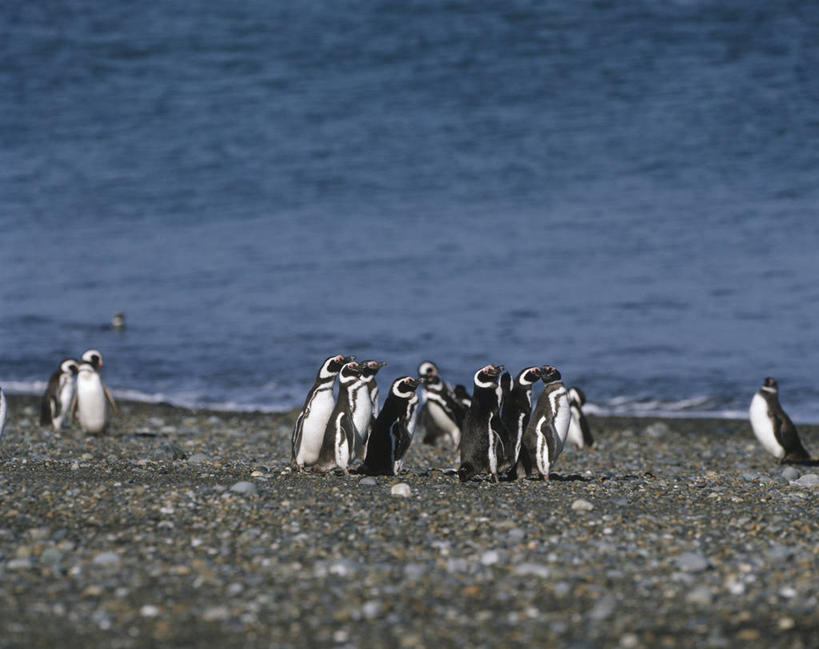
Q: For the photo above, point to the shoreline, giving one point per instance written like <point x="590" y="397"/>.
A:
<point x="672" y="532"/>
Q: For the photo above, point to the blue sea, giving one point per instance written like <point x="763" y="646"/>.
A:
<point x="626" y="190"/>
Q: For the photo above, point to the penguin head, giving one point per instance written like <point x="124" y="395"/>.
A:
<point x="577" y="396"/>
<point x="549" y="373"/>
<point x="487" y="376"/>
<point x="428" y="370"/>
<point x="69" y="366"/>
<point x="94" y="357"/>
<point x="770" y="384"/>
<point x="331" y="366"/>
<point x="528" y="376"/>
<point x="370" y="368"/>
<point x="404" y="387"/>
<point x="349" y="373"/>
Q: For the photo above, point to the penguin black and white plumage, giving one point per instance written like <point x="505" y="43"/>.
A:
<point x="442" y="414"/>
<point x="546" y="432"/>
<point x="365" y="405"/>
<point x="579" y="432"/>
<point x="91" y="400"/>
<point x="515" y="413"/>
<point x="3" y="411"/>
<point x="772" y="426"/>
<point x="483" y="428"/>
<point x="308" y="433"/>
<point x="55" y="403"/>
<point x="462" y="396"/>
<point x="94" y="357"/>
<point x="393" y="429"/>
<point x="338" y="445"/>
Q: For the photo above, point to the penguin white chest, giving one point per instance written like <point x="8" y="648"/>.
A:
<point x="575" y="434"/>
<point x="91" y="408"/>
<point x="562" y="417"/>
<point x="66" y="394"/>
<point x="762" y="426"/>
<point x="312" y="434"/>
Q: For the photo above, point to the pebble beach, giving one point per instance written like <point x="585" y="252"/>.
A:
<point x="188" y="528"/>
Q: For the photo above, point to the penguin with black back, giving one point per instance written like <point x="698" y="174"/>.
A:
<point x="483" y="428"/>
<point x="308" y="433"/>
<point x="773" y="428"/>
<point x="365" y="405"/>
<point x="56" y="401"/>
<point x="579" y="432"/>
<point x="393" y="429"/>
<point x="515" y="412"/>
<point x="442" y="415"/>
<point x="338" y="445"/>
<point x="546" y="431"/>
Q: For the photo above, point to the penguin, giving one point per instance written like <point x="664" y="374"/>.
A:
<point x="462" y="395"/>
<point x="308" y="433"/>
<point x="393" y="429"/>
<point x="94" y="357"/>
<point x="772" y="426"/>
<point x="483" y="427"/>
<point x="89" y="405"/>
<point x="118" y="321"/>
<point x="338" y="445"/>
<point x="365" y="405"/>
<point x="442" y="414"/>
<point x="579" y="431"/>
<point x="56" y="401"/>
<point x="546" y="431"/>
<point x="515" y="412"/>
<point x="3" y="410"/>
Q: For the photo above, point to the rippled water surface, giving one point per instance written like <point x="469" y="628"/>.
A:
<point x="625" y="190"/>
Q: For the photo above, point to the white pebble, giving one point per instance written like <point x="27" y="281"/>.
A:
<point x="581" y="505"/>
<point x="401" y="489"/>
<point x="149" y="610"/>
<point x="490" y="558"/>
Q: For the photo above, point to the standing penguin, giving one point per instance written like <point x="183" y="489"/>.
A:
<point x="89" y="406"/>
<point x="579" y="431"/>
<point x="2" y="411"/>
<point x="772" y="426"/>
<point x="548" y="426"/>
<point x="56" y="401"/>
<point x="515" y="412"/>
<point x="442" y="414"/>
<point x="338" y="445"/>
<point x="365" y="405"/>
<point x="393" y="429"/>
<point x="483" y="428"/>
<point x="308" y="433"/>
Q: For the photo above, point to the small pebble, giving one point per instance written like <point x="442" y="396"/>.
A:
<point x="581" y="505"/>
<point x="149" y="610"/>
<point x="245" y="489"/>
<point x="369" y="481"/>
<point x="691" y="562"/>
<point x="107" y="559"/>
<point x="807" y="480"/>
<point x="701" y="596"/>
<point x="401" y="489"/>
<point x="790" y="473"/>
<point x="490" y="558"/>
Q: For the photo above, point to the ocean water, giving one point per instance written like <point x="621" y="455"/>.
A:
<point x="626" y="190"/>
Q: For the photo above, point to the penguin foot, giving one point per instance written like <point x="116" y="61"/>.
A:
<point x="495" y="478"/>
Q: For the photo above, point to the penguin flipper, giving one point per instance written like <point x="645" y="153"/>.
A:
<point x="45" y="411"/>
<point x="72" y="409"/>
<point x="788" y="438"/>
<point x="588" y="440"/>
<point x="110" y="400"/>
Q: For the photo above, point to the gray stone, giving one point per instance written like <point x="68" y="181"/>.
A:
<point x="657" y="429"/>
<point x="51" y="557"/>
<point x="107" y="559"/>
<point x="21" y="563"/>
<point x="701" y="596"/>
<point x="790" y="473"/>
<point x="603" y="609"/>
<point x="198" y="458"/>
<point x="367" y="482"/>
<point x="490" y="558"/>
<point x="245" y="489"/>
<point x="533" y="569"/>
<point x="692" y="562"/>
<point x="807" y="480"/>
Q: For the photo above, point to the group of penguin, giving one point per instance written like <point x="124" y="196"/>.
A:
<point x="495" y="429"/>
<point x="75" y="390"/>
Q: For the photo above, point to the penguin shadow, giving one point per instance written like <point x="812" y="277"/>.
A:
<point x="811" y="462"/>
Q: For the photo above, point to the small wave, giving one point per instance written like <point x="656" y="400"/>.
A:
<point x="698" y="407"/>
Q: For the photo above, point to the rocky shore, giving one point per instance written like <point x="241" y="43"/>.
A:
<point x="187" y="528"/>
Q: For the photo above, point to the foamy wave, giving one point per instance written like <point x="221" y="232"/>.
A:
<point x="701" y="406"/>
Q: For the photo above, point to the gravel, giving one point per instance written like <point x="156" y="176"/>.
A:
<point x="695" y="538"/>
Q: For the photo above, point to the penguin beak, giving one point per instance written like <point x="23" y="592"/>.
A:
<point x="412" y="382"/>
<point x="348" y="359"/>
